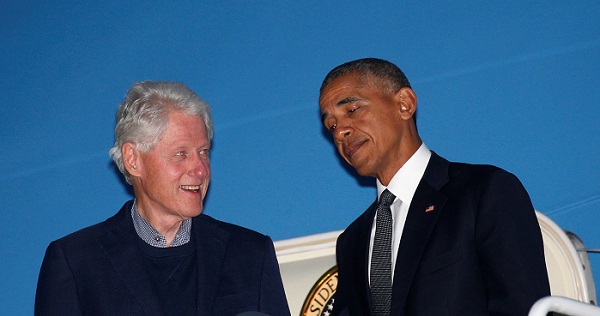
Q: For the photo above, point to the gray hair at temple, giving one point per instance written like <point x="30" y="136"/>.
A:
<point x="143" y="116"/>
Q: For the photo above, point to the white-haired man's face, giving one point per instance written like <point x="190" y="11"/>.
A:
<point x="171" y="180"/>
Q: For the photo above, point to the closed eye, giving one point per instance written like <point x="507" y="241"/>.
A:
<point x="353" y="109"/>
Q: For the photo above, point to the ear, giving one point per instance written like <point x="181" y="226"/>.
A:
<point x="131" y="159"/>
<point x="408" y="102"/>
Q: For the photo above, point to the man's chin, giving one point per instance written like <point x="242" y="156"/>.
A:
<point x="362" y="170"/>
<point x="193" y="210"/>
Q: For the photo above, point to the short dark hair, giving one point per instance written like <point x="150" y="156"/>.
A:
<point x="389" y="73"/>
<point x="391" y="76"/>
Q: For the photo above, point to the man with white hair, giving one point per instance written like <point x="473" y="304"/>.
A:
<point x="160" y="255"/>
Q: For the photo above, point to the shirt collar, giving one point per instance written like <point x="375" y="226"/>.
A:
<point x="404" y="183"/>
<point x="153" y="238"/>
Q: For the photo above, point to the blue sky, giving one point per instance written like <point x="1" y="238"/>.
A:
<point x="510" y="83"/>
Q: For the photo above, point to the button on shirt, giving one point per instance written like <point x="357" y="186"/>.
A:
<point x="403" y="185"/>
<point x="153" y="238"/>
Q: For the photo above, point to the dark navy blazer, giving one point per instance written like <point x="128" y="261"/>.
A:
<point x="99" y="271"/>
<point x="471" y="246"/>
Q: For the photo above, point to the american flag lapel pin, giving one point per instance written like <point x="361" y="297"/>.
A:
<point x="430" y="208"/>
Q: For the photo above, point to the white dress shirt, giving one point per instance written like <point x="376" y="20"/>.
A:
<point x="403" y="185"/>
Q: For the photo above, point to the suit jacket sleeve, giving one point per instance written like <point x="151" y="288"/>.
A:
<point x="340" y="306"/>
<point x="272" y="295"/>
<point x="56" y="292"/>
<point x="510" y="247"/>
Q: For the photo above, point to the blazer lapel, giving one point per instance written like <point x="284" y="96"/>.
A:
<point x="211" y="242"/>
<point x="362" y="265"/>
<point x="120" y="246"/>
<point x="424" y="211"/>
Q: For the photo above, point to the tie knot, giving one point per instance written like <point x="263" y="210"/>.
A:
<point x="386" y="198"/>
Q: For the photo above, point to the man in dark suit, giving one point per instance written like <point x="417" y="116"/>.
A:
<point x="159" y="255"/>
<point x="443" y="238"/>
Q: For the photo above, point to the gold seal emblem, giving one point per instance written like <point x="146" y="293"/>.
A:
<point x="320" y="299"/>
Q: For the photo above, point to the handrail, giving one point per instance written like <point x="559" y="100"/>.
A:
<point x="563" y="305"/>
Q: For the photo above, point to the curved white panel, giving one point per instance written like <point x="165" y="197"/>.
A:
<point x="302" y="262"/>
<point x="565" y="269"/>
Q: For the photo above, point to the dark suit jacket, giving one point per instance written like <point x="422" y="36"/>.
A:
<point x="478" y="252"/>
<point x="98" y="271"/>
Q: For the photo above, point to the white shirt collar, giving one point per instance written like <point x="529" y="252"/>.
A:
<point x="404" y="183"/>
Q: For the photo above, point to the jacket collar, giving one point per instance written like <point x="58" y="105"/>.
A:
<point x="211" y="242"/>
<point x="120" y="244"/>
<point x="427" y="205"/>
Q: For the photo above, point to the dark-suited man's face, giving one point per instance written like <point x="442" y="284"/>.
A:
<point x="171" y="180"/>
<point x="366" y="123"/>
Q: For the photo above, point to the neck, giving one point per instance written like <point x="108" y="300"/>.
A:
<point x="407" y="150"/>
<point x="168" y="226"/>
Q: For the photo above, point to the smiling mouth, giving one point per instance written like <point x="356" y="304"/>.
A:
<point x="193" y="188"/>
<point x="352" y="148"/>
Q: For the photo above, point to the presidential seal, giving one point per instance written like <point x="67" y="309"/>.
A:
<point x="320" y="299"/>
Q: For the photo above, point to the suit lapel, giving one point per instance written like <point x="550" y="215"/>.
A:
<point x="124" y="254"/>
<point x="362" y="241"/>
<point x="211" y="242"/>
<point x="424" y="211"/>
<point x="120" y="245"/>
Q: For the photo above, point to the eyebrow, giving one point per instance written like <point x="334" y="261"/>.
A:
<point x="340" y="103"/>
<point x="186" y="145"/>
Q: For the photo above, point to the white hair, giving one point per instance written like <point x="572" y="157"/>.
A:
<point x="143" y="115"/>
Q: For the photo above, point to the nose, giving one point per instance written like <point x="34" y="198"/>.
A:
<point x="200" y="167"/>
<point x="342" y="131"/>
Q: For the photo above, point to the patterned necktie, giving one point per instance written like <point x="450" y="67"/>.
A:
<point x="381" y="257"/>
